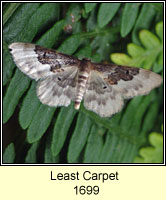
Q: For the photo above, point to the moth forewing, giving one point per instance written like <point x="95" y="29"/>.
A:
<point x="26" y="59"/>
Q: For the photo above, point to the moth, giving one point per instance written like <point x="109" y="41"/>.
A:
<point x="63" y="78"/>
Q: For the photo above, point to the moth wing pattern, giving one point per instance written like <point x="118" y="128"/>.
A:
<point x="26" y="59"/>
<point x="55" y="72"/>
<point x="38" y="62"/>
<point x="141" y="84"/>
<point x="62" y="78"/>
<point x="102" y="98"/>
<point x="110" y="84"/>
<point x="58" y="89"/>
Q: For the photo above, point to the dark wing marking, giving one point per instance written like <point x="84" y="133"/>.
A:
<point x="129" y="81"/>
<point x="38" y="62"/>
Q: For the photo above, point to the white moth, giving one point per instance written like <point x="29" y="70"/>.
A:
<point x="63" y="78"/>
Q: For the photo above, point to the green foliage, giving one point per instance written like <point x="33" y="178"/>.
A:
<point x="106" y="13"/>
<point x="9" y="154"/>
<point x="17" y="86"/>
<point x="79" y="137"/>
<point x="143" y="57"/>
<point x="63" y="135"/>
<point x="59" y="131"/>
<point x="31" y="156"/>
<point x="144" y="21"/>
<point x="89" y="7"/>
<point x="128" y="18"/>
<point x="40" y="123"/>
<point x="153" y="153"/>
<point x="8" y="10"/>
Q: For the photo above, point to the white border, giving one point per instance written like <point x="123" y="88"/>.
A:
<point x="76" y="163"/>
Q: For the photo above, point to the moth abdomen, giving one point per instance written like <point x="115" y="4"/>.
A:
<point x="81" y="87"/>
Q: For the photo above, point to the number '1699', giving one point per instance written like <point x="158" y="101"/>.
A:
<point x="87" y="190"/>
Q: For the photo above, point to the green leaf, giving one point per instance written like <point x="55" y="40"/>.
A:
<point x="135" y="50"/>
<point x="39" y="20"/>
<point x="150" y="116"/>
<point x="144" y="21"/>
<point x="72" y="18"/>
<point x="48" y="156"/>
<point x="149" y="40"/>
<point x="84" y="53"/>
<point x="74" y="13"/>
<point x="153" y="154"/>
<point x="91" y="23"/>
<point x="128" y="119"/>
<point x="136" y="125"/>
<point x="102" y="44"/>
<point x="94" y="145"/>
<point x="40" y="123"/>
<point x="70" y="45"/>
<point x="160" y="58"/>
<point x="31" y="156"/>
<point x="20" y="18"/>
<point x="106" y="12"/>
<point x="159" y="30"/>
<point x="29" y="107"/>
<point x="120" y="58"/>
<point x="142" y="57"/>
<point x="109" y="148"/>
<point x="9" y="154"/>
<point x="15" y="90"/>
<point x="158" y="67"/>
<point x="60" y="131"/>
<point x="89" y="7"/>
<point x="128" y="18"/>
<point x="79" y="138"/>
<point x="159" y="9"/>
<point x="9" y="10"/>
<point x="8" y="65"/>
<point x="52" y="35"/>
